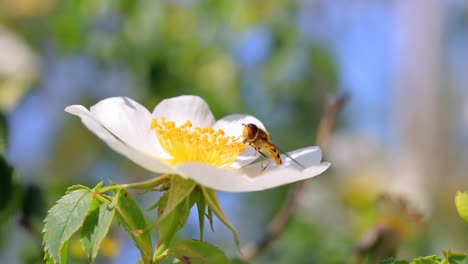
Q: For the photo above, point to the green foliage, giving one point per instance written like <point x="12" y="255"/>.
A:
<point x="64" y="219"/>
<point x="393" y="261"/>
<point x="96" y="226"/>
<point x="173" y="211"/>
<point x="455" y="257"/>
<point x="160" y="204"/>
<point x="209" y="215"/>
<point x="179" y="190"/>
<point x="461" y="202"/>
<point x="201" y="209"/>
<point x="212" y="201"/>
<point x="197" y="252"/>
<point x="426" y="260"/>
<point x="93" y="212"/>
<point x="47" y="258"/>
<point x="132" y="220"/>
<point x="173" y="222"/>
<point x="450" y="258"/>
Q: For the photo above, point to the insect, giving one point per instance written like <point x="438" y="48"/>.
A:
<point x="260" y="140"/>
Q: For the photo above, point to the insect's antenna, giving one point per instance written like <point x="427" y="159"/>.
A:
<point x="295" y="161"/>
<point x="289" y="156"/>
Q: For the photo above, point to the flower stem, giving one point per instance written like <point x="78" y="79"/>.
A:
<point x="160" y="254"/>
<point x="138" y="185"/>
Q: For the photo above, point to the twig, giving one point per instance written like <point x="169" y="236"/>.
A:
<point x="332" y="106"/>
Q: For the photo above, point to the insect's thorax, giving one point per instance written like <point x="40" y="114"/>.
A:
<point x="263" y="135"/>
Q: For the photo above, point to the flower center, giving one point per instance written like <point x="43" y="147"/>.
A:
<point x="187" y="144"/>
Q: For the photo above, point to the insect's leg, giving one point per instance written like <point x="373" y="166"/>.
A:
<point x="255" y="148"/>
<point x="261" y="164"/>
<point x="263" y="168"/>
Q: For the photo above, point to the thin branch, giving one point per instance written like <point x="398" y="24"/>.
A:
<point x="332" y="106"/>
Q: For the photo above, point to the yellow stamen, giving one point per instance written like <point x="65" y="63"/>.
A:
<point x="154" y="123"/>
<point x="187" y="144"/>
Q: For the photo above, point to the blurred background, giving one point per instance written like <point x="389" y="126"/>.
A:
<point x="399" y="151"/>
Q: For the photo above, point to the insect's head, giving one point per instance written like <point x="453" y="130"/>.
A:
<point x="250" y="132"/>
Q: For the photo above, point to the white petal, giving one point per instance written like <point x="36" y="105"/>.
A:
<point x="307" y="157"/>
<point x="245" y="158"/>
<point x="117" y="144"/>
<point x="131" y="122"/>
<point x="232" y="126"/>
<point x="186" y="107"/>
<point x="234" y="181"/>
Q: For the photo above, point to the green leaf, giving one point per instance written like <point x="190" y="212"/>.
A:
<point x="3" y="133"/>
<point x="63" y="220"/>
<point x="78" y="187"/>
<point x="47" y="258"/>
<point x="96" y="227"/>
<point x="63" y="253"/>
<point x="160" y="204"/>
<point x="98" y="186"/>
<point x="131" y="218"/>
<point x="213" y="204"/>
<point x="210" y="218"/>
<point x="179" y="189"/>
<point x="393" y="261"/>
<point x="201" y="208"/>
<point x="63" y="257"/>
<point x="461" y="202"/>
<point x="169" y="226"/>
<point x="456" y="257"/>
<point x="197" y="252"/>
<point x="427" y="260"/>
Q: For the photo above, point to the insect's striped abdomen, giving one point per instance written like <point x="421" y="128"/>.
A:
<point x="273" y="152"/>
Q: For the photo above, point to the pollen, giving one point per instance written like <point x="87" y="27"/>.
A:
<point x="195" y="144"/>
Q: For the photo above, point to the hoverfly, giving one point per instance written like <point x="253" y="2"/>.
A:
<point x="260" y="141"/>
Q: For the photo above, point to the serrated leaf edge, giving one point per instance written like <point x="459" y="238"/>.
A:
<point x="44" y="230"/>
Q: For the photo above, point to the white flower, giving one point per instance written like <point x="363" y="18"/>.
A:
<point x="19" y="67"/>
<point x="181" y="136"/>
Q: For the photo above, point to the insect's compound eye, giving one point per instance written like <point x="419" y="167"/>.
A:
<point x="250" y="131"/>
